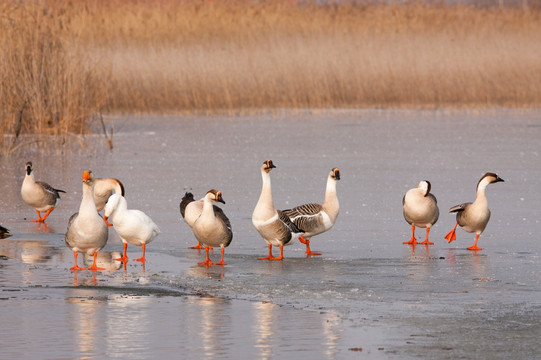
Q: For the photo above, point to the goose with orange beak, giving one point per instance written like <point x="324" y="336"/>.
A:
<point x="133" y="226"/>
<point x="87" y="231"/>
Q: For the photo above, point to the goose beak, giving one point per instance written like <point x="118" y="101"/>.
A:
<point x="337" y="174"/>
<point x="86" y="175"/>
<point x="499" y="179"/>
<point x="220" y="199"/>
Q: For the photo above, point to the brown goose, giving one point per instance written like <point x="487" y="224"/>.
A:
<point x="314" y="219"/>
<point x="87" y="231"/>
<point x="420" y="209"/>
<point x="474" y="217"/>
<point x="273" y="225"/>
<point x="212" y="228"/>
<point x="41" y="196"/>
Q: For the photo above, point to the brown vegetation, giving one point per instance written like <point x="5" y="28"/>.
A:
<point x="62" y="63"/>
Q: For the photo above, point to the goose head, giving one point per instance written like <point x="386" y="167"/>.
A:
<point x="335" y="174"/>
<point x="267" y="166"/>
<point x="88" y="178"/>
<point x="489" y="178"/>
<point x="215" y="195"/>
<point x="112" y="204"/>
<point x="425" y="186"/>
<point x="28" y="168"/>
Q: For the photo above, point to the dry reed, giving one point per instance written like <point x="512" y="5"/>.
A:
<point x="61" y="62"/>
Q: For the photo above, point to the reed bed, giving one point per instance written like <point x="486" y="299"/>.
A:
<point x="63" y="63"/>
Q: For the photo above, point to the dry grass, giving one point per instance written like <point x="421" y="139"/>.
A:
<point x="61" y="63"/>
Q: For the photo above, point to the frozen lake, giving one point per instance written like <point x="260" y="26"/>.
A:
<point x="367" y="296"/>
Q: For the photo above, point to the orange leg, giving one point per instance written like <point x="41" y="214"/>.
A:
<point x="76" y="267"/>
<point x="124" y="257"/>
<point x="451" y="235"/>
<point x="198" y="246"/>
<point x="95" y="267"/>
<point x="425" y="241"/>
<point x="474" y="246"/>
<point x="207" y="261"/>
<point x="411" y="241"/>
<point x="270" y="254"/>
<point x="221" y="262"/>
<point x="308" y="250"/>
<point x="142" y="258"/>
<point x="42" y="219"/>
<point x="281" y="254"/>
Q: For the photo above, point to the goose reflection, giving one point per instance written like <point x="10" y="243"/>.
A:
<point x="30" y="252"/>
<point x="215" y="326"/>
<point x="332" y="328"/>
<point x="104" y="260"/>
<point x="85" y="324"/>
<point x="264" y="328"/>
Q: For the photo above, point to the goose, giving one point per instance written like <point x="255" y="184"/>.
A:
<point x="133" y="226"/>
<point x="87" y="231"/>
<point x="212" y="228"/>
<point x="314" y="219"/>
<point x="191" y="210"/>
<point x="41" y="196"/>
<point x="103" y="189"/>
<point x="273" y="225"/>
<point x="4" y="233"/>
<point x="420" y="209"/>
<point x="473" y="217"/>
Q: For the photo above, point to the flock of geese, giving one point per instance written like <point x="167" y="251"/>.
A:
<point x="87" y="230"/>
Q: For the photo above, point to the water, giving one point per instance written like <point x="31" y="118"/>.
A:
<point x="368" y="296"/>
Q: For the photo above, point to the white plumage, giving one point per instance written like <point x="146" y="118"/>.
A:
<point x="133" y="226"/>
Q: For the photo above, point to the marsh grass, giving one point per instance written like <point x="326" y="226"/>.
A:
<point x="62" y="64"/>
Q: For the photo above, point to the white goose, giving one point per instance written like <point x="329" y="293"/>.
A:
<point x="314" y="219"/>
<point x="103" y="189"/>
<point x="420" y="209"/>
<point x="87" y="232"/>
<point x="474" y="217"/>
<point x="41" y="196"/>
<point x="212" y="228"/>
<point x="133" y="226"/>
<point x="273" y="225"/>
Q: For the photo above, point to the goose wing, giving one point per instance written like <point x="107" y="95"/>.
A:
<point x="290" y="225"/>
<point x="186" y="199"/>
<point x="459" y="208"/>
<point x="220" y="215"/>
<point x="306" y="216"/>
<point x="49" y="189"/>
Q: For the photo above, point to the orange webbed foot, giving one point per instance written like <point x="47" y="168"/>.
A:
<point x="411" y="241"/>
<point x="124" y="259"/>
<point x="77" y="267"/>
<point x="426" y="242"/>
<point x="95" y="268"/>
<point x="141" y="259"/>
